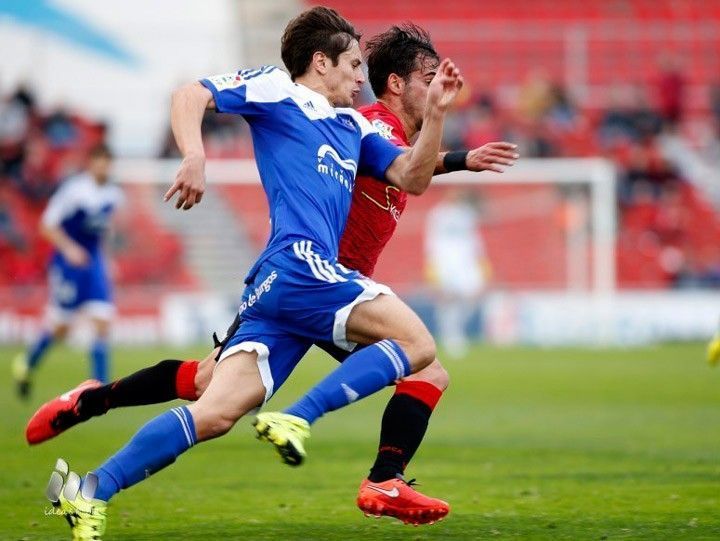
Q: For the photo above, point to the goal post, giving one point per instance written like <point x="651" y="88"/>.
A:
<point x="588" y="201"/>
<point x="599" y="176"/>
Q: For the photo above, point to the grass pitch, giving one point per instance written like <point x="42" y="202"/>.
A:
<point x="526" y="444"/>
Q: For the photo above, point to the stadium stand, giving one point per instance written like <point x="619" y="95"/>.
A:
<point x="559" y="78"/>
<point x="564" y="79"/>
<point x="38" y="151"/>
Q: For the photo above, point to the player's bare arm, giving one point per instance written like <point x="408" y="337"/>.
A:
<point x="495" y="156"/>
<point x="413" y="170"/>
<point x="189" y="104"/>
<point x="75" y="254"/>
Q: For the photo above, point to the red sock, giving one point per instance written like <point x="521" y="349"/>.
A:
<point x="425" y="392"/>
<point x="185" y="380"/>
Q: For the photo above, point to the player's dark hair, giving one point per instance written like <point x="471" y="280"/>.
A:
<point x="399" y="51"/>
<point x="100" y="150"/>
<point x="317" y="29"/>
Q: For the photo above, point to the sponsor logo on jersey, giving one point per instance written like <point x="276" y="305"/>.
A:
<point x="331" y="164"/>
<point x="226" y="81"/>
<point x="383" y="128"/>
<point x="388" y="204"/>
<point x="260" y="290"/>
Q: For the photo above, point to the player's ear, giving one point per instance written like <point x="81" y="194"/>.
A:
<point x="319" y="62"/>
<point x="395" y="84"/>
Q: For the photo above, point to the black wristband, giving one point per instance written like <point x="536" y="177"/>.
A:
<point x="455" y="161"/>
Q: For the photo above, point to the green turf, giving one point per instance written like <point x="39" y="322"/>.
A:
<point x="527" y="444"/>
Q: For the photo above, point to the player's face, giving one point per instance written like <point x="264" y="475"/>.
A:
<point x="345" y="80"/>
<point x="416" y="88"/>
<point x="99" y="168"/>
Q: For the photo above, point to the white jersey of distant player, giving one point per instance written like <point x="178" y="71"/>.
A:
<point x="83" y="208"/>
<point x="455" y="249"/>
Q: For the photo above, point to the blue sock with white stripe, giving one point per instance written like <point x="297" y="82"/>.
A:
<point x="38" y="349"/>
<point x="154" y="446"/>
<point x="99" y="354"/>
<point x="360" y="375"/>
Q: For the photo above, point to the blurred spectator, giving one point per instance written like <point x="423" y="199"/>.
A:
<point x="16" y="119"/>
<point x="647" y="168"/>
<point x="670" y="87"/>
<point x="9" y="235"/>
<point x="628" y="118"/>
<point x="60" y="130"/>
<point x="225" y="136"/>
<point x="35" y="178"/>
<point x="535" y="97"/>
<point x="562" y="113"/>
<point x="481" y="123"/>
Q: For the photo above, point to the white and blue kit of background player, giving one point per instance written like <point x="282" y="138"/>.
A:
<point x="308" y="154"/>
<point x="82" y="208"/>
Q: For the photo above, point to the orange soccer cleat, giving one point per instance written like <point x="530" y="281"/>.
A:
<point x="58" y="414"/>
<point x="397" y="498"/>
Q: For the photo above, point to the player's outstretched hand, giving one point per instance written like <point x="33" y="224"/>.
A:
<point x="189" y="183"/>
<point x="445" y="85"/>
<point x="492" y="157"/>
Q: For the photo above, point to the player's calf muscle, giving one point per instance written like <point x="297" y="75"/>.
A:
<point x="237" y="390"/>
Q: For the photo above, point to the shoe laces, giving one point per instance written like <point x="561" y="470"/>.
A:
<point x="411" y="483"/>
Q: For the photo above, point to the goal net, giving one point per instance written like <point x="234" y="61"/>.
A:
<point x="546" y="224"/>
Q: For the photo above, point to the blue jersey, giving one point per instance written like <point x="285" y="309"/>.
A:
<point x="308" y="154"/>
<point x="82" y="208"/>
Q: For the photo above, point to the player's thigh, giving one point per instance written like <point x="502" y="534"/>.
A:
<point x="65" y="285"/>
<point x="386" y="316"/>
<point x="278" y="351"/>
<point x="101" y="326"/>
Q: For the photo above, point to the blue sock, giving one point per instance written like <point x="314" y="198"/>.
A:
<point x="39" y="348"/>
<point x="153" y="447"/>
<point x="99" y="354"/>
<point x="361" y="374"/>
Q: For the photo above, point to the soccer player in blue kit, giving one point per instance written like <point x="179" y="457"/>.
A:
<point x="309" y="145"/>
<point x="75" y="223"/>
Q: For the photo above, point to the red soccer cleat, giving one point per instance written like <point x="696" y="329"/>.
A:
<point x="57" y="415"/>
<point x="397" y="498"/>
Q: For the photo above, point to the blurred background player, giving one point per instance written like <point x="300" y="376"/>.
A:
<point x="75" y="222"/>
<point x="457" y="265"/>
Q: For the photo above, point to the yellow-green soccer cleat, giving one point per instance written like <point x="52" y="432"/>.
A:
<point x="713" y="351"/>
<point x="21" y="376"/>
<point x="86" y="515"/>
<point x="286" y="432"/>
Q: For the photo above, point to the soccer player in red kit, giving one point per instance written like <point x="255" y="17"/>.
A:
<point x="401" y="64"/>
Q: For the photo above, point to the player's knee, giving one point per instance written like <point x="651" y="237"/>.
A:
<point x="421" y="351"/>
<point x="437" y="375"/>
<point x="60" y="332"/>
<point x="204" y="375"/>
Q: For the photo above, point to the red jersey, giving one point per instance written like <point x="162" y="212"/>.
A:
<point x="376" y="205"/>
